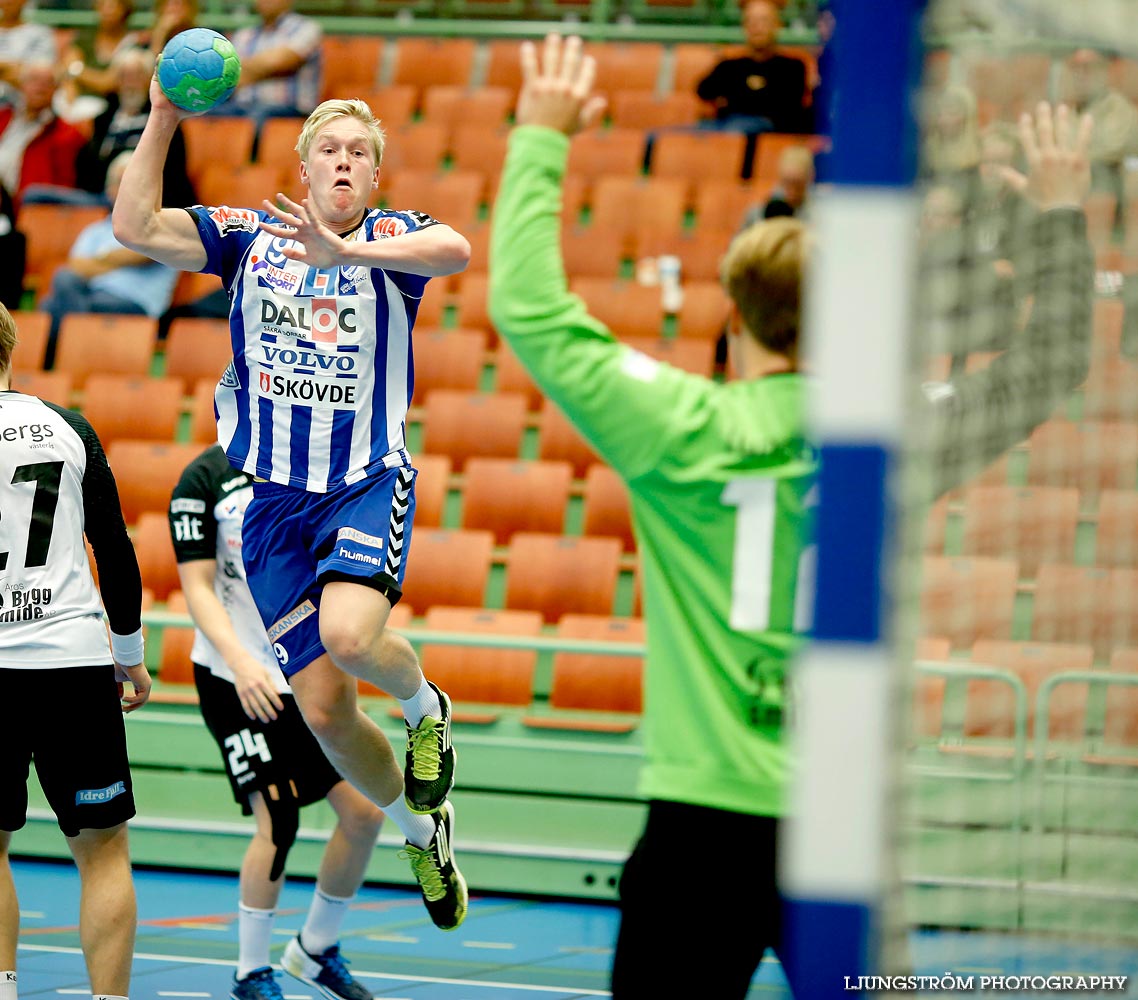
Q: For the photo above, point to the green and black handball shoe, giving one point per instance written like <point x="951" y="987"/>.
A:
<point x="429" y="775"/>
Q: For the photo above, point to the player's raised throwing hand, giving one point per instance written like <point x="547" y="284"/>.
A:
<point x="558" y="91"/>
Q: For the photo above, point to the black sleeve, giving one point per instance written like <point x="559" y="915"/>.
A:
<point x="193" y="527"/>
<point x="977" y="418"/>
<point x="120" y="582"/>
<point x="711" y="86"/>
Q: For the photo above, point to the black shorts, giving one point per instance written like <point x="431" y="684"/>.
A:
<point x="69" y="721"/>
<point x="259" y="755"/>
<point x="699" y="904"/>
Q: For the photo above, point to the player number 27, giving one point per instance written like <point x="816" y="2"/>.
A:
<point x="243" y="745"/>
<point x="753" y="564"/>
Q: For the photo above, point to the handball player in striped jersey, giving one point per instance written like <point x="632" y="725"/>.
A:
<point x="313" y="406"/>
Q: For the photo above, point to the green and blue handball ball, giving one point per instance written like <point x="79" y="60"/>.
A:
<point x="198" y="69"/>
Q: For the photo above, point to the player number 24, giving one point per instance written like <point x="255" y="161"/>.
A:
<point x="243" y="745"/>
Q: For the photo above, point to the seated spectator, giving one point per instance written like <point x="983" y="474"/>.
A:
<point x="170" y="18"/>
<point x="20" y="42"/>
<point x="951" y="152"/>
<point x="762" y="90"/>
<point x="88" y="59"/>
<point x="792" y="189"/>
<point x="36" y="146"/>
<point x="13" y="252"/>
<point x="1086" y="86"/>
<point x="119" y="128"/>
<point x="103" y="276"/>
<point x="280" y="63"/>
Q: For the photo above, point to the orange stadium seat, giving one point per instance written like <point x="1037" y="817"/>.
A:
<point x="131" y="406"/>
<point x="203" y="423"/>
<point x="968" y="599"/>
<point x="990" y="705"/>
<point x="1030" y="525"/>
<point x="51" y="230"/>
<point x="105" y="343"/>
<point x="430" y="62"/>
<point x="626" y="308"/>
<point x="193" y="285"/>
<point x="703" y="313"/>
<point x="1090" y="456"/>
<point x="471" y="304"/>
<point x="503" y="65"/>
<point x="451" y="106"/>
<point x="476" y="149"/>
<point x="643" y="109"/>
<point x="432" y="305"/>
<point x="700" y="251"/>
<point x="276" y="145"/>
<point x="32" y="330"/>
<point x="175" y="666"/>
<point x="447" y="359"/>
<point x="632" y="203"/>
<point x="557" y="575"/>
<point x="771" y="147"/>
<point x="248" y="185"/>
<point x="481" y="673"/>
<point x="431" y="487"/>
<point x="1100" y="208"/>
<point x="147" y="472"/>
<point x="505" y="497"/>
<point x="419" y="146"/>
<point x="627" y="66"/>
<point x="723" y="205"/>
<point x="558" y="440"/>
<point x="468" y="424"/>
<point x="928" y="689"/>
<point x="52" y="386"/>
<point x="698" y="156"/>
<point x="217" y="139"/>
<point x="350" y="65"/>
<point x="196" y="349"/>
<point x="1108" y="315"/>
<point x="592" y="251"/>
<point x="393" y="106"/>
<point x="614" y="151"/>
<point x="447" y="567"/>
<point x="1116" y="535"/>
<point x="511" y="376"/>
<point x="1086" y="605"/>
<point x="605" y="683"/>
<point x="452" y="197"/>
<point x="1111" y="390"/>
<point x="155" y="551"/>
<point x="607" y="509"/>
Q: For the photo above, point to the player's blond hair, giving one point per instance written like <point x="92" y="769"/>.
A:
<point x="8" y="339"/>
<point x="329" y="111"/>
<point x="762" y="272"/>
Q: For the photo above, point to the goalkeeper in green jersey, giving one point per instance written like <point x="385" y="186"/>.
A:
<point x="722" y="482"/>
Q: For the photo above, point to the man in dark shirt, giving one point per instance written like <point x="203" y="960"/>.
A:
<point x="762" y="90"/>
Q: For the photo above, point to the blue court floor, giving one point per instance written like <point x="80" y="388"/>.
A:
<point x="508" y="949"/>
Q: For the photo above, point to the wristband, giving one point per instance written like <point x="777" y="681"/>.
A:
<point x="128" y="649"/>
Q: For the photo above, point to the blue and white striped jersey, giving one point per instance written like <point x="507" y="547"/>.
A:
<point x="322" y="372"/>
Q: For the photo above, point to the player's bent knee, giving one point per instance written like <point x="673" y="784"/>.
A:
<point x="353" y="646"/>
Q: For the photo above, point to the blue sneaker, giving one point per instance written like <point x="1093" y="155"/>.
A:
<point x="327" y="972"/>
<point x="260" y="984"/>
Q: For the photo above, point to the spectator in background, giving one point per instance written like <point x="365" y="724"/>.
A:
<point x="951" y="153"/>
<point x="761" y="91"/>
<point x="13" y="252"/>
<point x="102" y="276"/>
<point x="1001" y="214"/>
<point x="280" y="63"/>
<point x="89" y="58"/>
<point x="20" y="42"/>
<point x="36" y="146"/>
<point x="1087" y="87"/>
<point x="791" y="191"/>
<point x="170" y="17"/>
<point x="119" y="128"/>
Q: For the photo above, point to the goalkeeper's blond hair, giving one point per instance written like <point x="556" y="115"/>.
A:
<point x="762" y="272"/>
<point x="329" y="111"/>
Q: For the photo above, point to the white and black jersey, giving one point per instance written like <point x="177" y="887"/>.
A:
<point x="56" y="486"/>
<point x="206" y="512"/>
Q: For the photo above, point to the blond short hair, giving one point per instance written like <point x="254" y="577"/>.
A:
<point x="762" y="272"/>
<point x="329" y="111"/>
<point x="8" y="339"/>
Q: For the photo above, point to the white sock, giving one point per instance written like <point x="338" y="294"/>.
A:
<point x="422" y="702"/>
<point x="325" y="918"/>
<point x="254" y="932"/>
<point x="416" y="829"/>
<point x="8" y="984"/>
